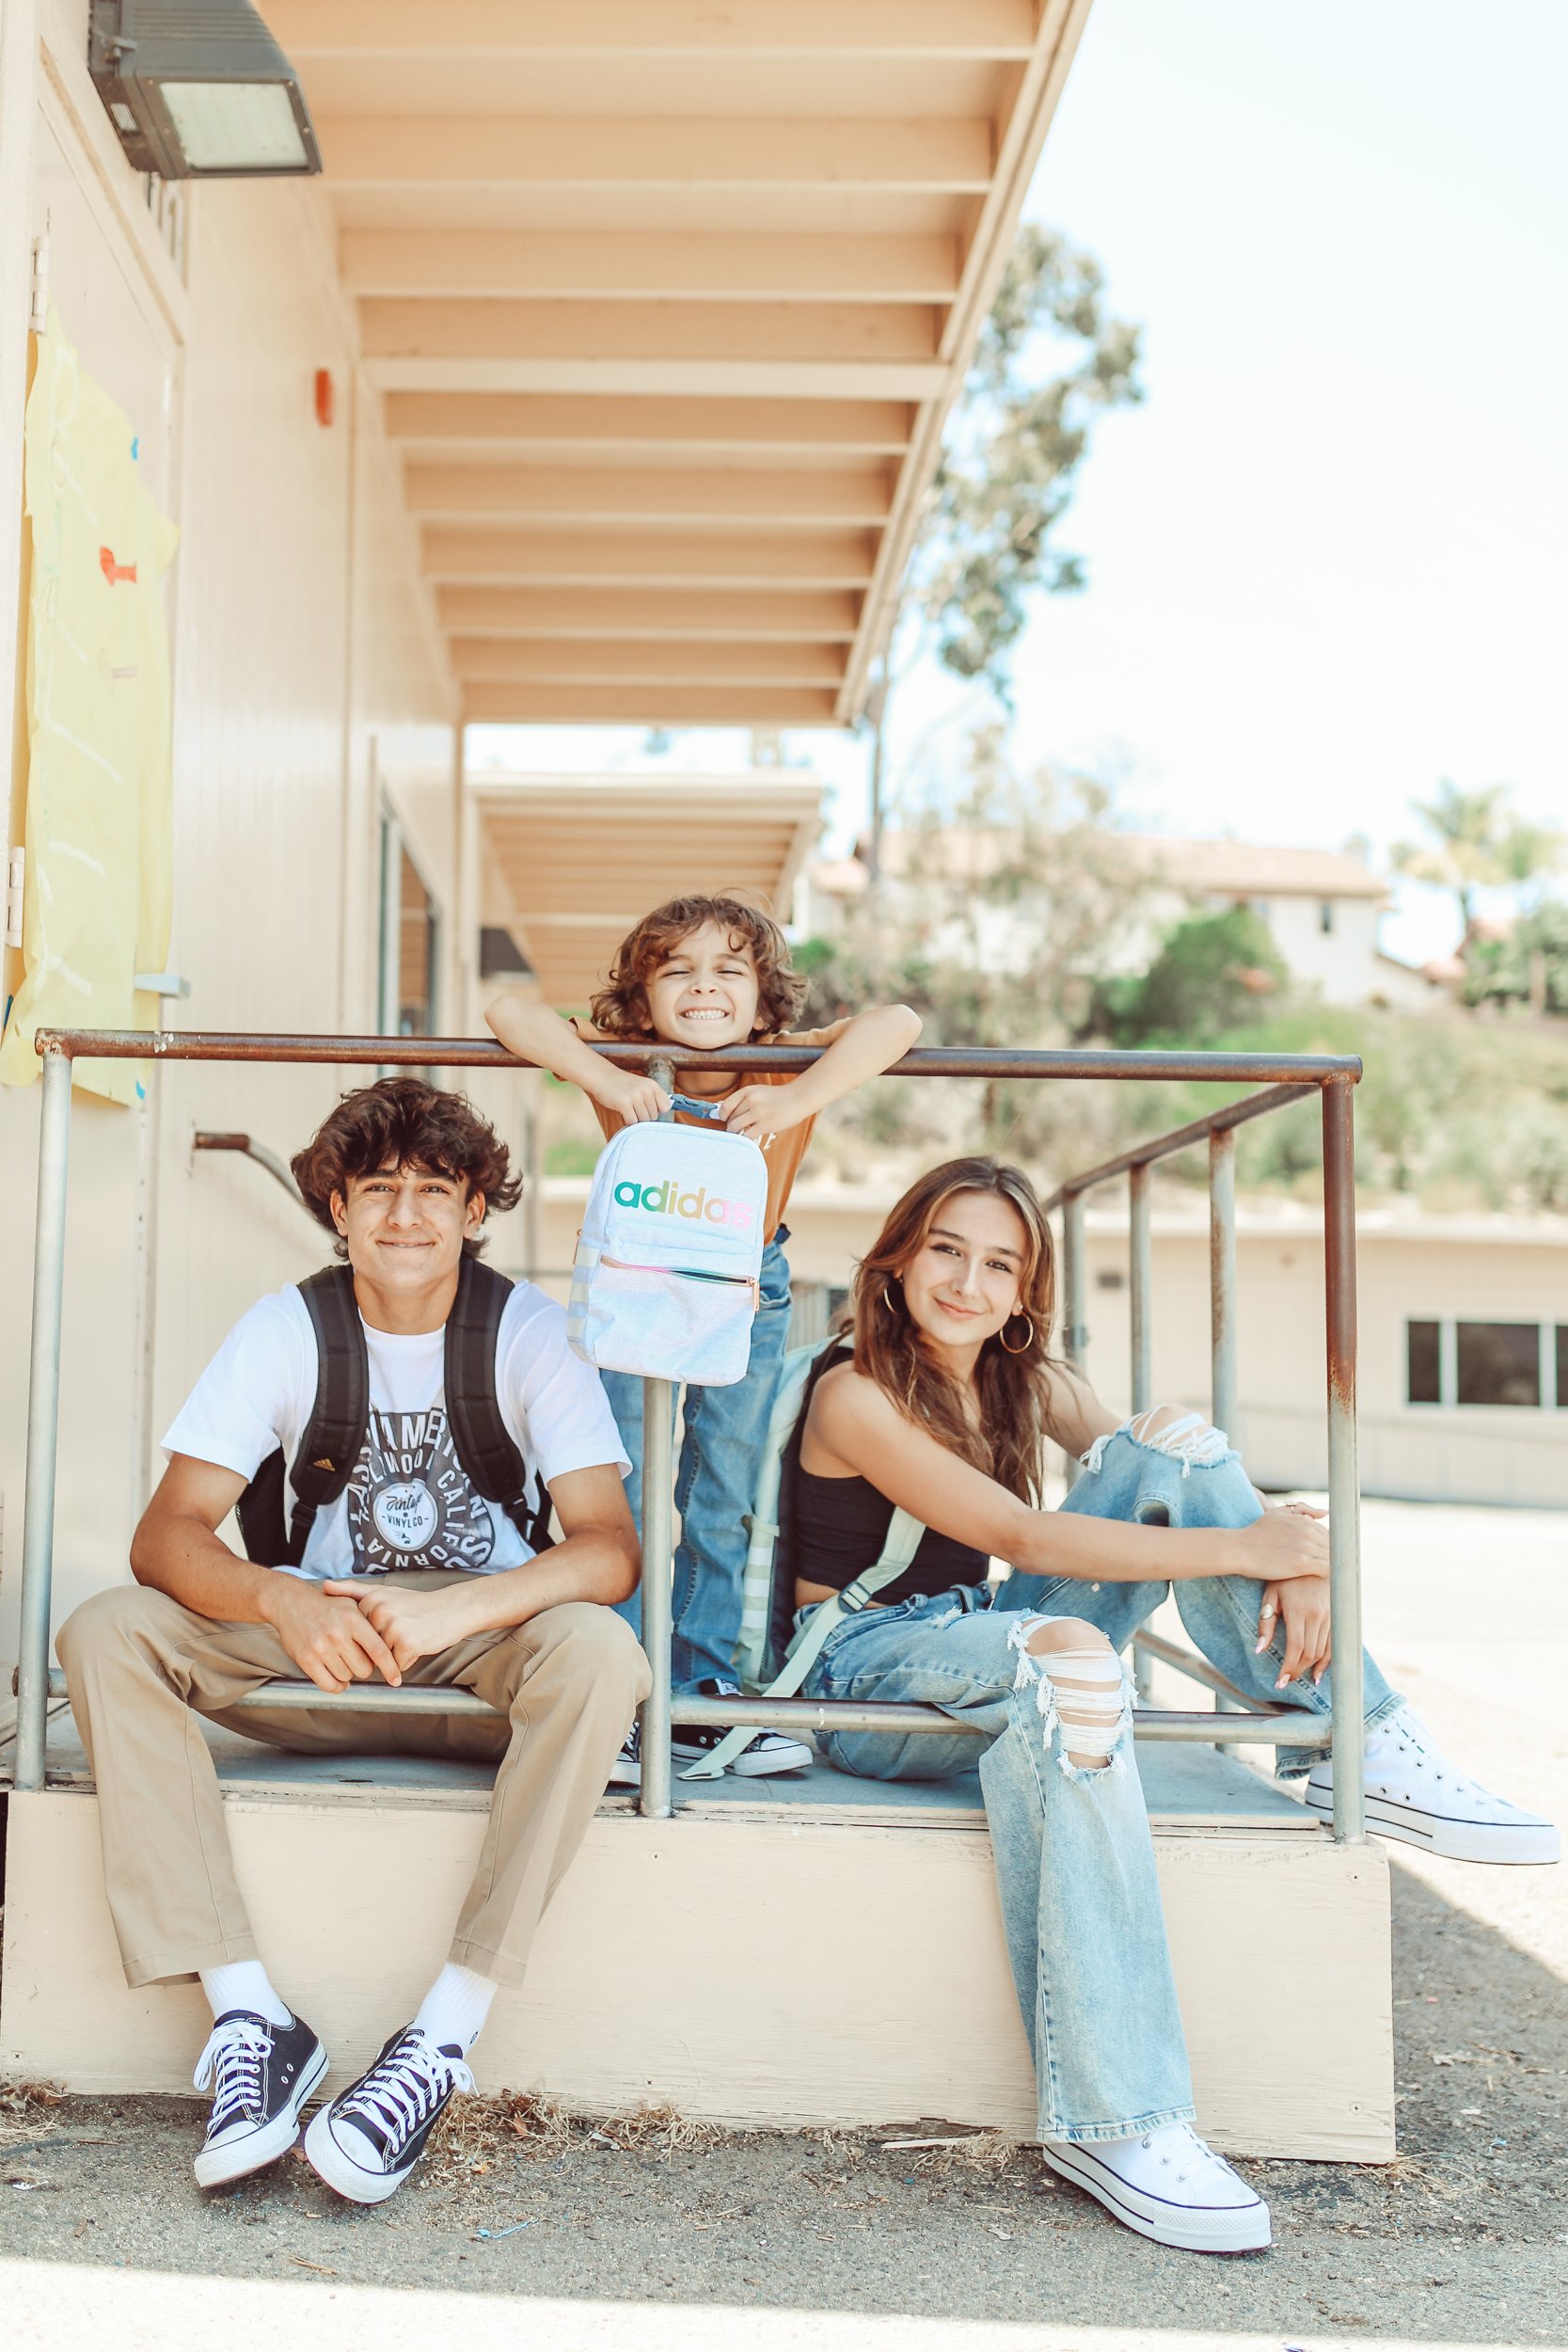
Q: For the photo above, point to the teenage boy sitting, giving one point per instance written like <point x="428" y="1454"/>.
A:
<point x="410" y="1576"/>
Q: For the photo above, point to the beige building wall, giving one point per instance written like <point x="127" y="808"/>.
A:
<point x="311" y="690"/>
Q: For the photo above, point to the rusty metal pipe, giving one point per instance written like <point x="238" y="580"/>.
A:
<point x="1075" y="1332"/>
<point x="1300" y="1071"/>
<point x="1220" y="1121"/>
<point x="1344" y="1493"/>
<point x="1222" y="1280"/>
<point x="1292" y="1728"/>
<point x="1140" y="1285"/>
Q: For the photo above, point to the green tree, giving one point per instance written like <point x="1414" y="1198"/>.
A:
<point x="1528" y="967"/>
<point x="1209" y="977"/>
<point x="1010" y="892"/>
<point x="1015" y="446"/>
<point x="1476" y="841"/>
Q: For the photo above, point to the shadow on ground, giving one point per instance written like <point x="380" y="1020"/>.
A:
<point x="1464" y="2237"/>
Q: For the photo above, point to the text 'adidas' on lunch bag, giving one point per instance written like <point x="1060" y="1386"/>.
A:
<point x="665" y="1279"/>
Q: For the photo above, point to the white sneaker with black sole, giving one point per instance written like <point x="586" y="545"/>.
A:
<point x="626" y="1771"/>
<point x="1168" y="2186"/>
<point x="769" y="1751"/>
<point x="1413" y="1793"/>
<point x="368" y="2140"/>
<point x="259" y="2075"/>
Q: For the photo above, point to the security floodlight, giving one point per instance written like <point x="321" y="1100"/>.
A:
<point x="198" y="89"/>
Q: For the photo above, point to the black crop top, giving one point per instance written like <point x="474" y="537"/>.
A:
<point x="840" y="1527"/>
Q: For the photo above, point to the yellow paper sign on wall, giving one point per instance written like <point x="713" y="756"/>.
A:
<point x="99" y="786"/>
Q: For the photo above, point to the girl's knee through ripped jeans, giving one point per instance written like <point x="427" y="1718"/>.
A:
<point x="1083" y="1700"/>
<point x="1191" y="1440"/>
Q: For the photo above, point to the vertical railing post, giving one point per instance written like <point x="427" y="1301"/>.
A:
<point x="1222" y="1280"/>
<point x="43" y="1423"/>
<point x="1075" y="1336"/>
<point x="1140" y="1282"/>
<point x="658" y="1559"/>
<point x="1221" y="1305"/>
<point x="1344" y="1493"/>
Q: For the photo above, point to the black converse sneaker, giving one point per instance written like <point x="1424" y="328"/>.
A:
<point x="626" y="1771"/>
<point x="260" y="2076"/>
<point x="769" y="1751"/>
<point x="366" y="2143"/>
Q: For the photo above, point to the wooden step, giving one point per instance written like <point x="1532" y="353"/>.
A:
<point x="807" y="1951"/>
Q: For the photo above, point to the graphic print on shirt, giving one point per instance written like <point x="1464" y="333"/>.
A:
<point x="409" y="1501"/>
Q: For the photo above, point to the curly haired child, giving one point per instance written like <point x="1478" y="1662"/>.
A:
<point x="701" y="973"/>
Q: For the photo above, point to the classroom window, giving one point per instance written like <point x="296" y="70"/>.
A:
<point x="1498" y="1363"/>
<point x="409" y="946"/>
<point x="1424" y="1385"/>
<point x="1449" y="1361"/>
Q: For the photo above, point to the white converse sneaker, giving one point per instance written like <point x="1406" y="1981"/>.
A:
<point x="1415" y="1794"/>
<point x="368" y="2140"/>
<point x="1168" y="2186"/>
<point x="259" y="2075"/>
<point x="770" y="1752"/>
<point x="626" y="1771"/>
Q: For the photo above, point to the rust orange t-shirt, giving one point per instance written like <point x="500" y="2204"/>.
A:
<point x="783" y="1154"/>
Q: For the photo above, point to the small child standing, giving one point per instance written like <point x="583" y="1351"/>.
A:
<point x="703" y="973"/>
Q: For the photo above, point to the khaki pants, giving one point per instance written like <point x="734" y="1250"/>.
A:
<point x="141" y="1668"/>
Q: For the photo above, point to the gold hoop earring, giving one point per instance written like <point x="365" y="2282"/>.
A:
<point x="890" y="1303"/>
<point x="1028" y="1343"/>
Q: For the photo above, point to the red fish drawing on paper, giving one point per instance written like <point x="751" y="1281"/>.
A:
<point x="113" y="571"/>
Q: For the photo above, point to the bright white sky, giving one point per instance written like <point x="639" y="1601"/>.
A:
<point x="1327" y="557"/>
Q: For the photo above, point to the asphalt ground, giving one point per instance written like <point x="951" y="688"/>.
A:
<point x="643" y="2232"/>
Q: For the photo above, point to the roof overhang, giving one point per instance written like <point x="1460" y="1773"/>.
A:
<point x="668" y="302"/>
<point x="570" y="863"/>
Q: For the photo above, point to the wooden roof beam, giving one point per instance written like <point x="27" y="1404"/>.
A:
<point x="824" y="350"/>
<point x="637" y="661"/>
<point x="485" y="151"/>
<point x="615" y="559"/>
<point x="820" y="617"/>
<point x="650" y="706"/>
<point x="637" y="267"/>
<point x="838" y="29"/>
<point x="783" y="500"/>
<point x="522" y="420"/>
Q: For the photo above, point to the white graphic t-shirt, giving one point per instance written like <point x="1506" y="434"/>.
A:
<point x="408" y="1503"/>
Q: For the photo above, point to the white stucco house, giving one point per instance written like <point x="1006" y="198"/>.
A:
<point x="1325" y="907"/>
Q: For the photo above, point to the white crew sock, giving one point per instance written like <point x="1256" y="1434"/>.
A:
<point x="244" y="1984"/>
<point x="456" y="2007"/>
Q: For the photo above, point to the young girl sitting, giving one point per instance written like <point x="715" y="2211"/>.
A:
<point x="945" y="1408"/>
<point x="703" y="973"/>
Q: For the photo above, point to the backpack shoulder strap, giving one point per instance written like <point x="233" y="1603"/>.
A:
<point x="484" y="1445"/>
<point x="330" y="1441"/>
<point x="899" y="1546"/>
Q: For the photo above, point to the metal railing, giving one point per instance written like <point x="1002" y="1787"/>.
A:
<point x="1285" y="1078"/>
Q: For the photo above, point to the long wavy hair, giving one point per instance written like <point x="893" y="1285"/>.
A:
<point x="1007" y="1441"/>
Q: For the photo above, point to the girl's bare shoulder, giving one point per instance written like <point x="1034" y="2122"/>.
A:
<point x="844" y="1393"/>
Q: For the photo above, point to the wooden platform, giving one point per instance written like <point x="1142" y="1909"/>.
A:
<point x="803" y="1951"/>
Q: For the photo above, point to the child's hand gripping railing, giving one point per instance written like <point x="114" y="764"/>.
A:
<point x="1287" y="1078"/>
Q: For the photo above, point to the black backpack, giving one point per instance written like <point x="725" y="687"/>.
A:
<point x="330" y="1441"/>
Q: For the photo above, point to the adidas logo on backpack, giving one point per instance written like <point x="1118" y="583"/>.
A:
<point x="665" y="1279"/>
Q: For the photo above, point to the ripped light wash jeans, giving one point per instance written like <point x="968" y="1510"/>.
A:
<point x="1162" y="1484"/>
<point x="1074" y="1861"/>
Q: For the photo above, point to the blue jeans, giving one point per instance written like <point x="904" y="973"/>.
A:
<point x="1074" y="1857"/>
<point x="1085" y="1935"/>
<point x="1139" y="1483"/>
<point x="715" y="1479"/>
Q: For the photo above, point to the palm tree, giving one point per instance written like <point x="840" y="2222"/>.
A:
<point x="1477" y="842"/>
